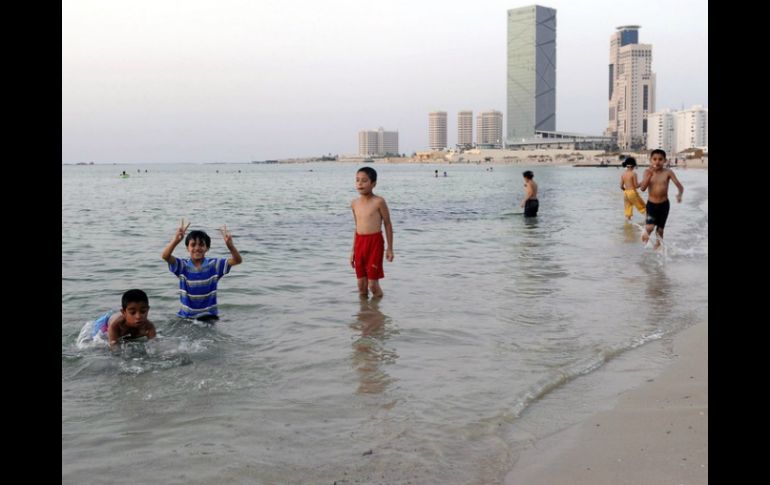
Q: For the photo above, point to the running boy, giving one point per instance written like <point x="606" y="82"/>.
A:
<point x="656" y="178"/>
<point x="628" y="184"/>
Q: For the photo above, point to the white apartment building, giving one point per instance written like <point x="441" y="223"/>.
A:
<point x="661" y="132"/>
<point x="377" y="143"/>
<point x="692" y="128"/>
<point x="675" y="131"/>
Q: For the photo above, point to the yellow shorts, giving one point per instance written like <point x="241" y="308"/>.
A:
<point x="631" y="198"/>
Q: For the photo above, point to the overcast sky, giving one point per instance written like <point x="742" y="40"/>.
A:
<point x="232" y="81"/>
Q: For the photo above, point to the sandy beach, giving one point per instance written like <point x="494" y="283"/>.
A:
<point x="656" y="433"/>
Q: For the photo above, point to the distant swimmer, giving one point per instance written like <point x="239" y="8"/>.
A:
<point x="656" y="178"/>
<point x="530" y="202"/>
<point x="629" y="184"/>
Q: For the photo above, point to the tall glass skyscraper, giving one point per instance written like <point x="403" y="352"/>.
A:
<point x="531" y="71"/>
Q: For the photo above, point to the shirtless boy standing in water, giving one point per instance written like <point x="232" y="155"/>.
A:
<point x="370" y="213"/>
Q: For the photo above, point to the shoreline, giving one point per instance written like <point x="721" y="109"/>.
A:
<point x="563" y="162"/>
<point x="655" y="433"/>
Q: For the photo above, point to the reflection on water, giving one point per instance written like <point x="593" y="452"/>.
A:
<point x="369" y="350"/>
<point x="658" y="290"/>
<point x="658" y="282"/>
<point x="535" y="268"/>
<point x="631" y="233"/>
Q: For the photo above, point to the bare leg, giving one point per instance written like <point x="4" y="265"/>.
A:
<point x="646" y="234"/>
<point x="374" y="285"/>
<point x="659" y="231"/>
<point x="362" y="291"/>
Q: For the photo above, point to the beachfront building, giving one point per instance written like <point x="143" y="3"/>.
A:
<point x="437" y="130"/>
<point x="676" y="131"/>
<point x="661" y="131"/>
<point x="631" y="88"/>
<point x="692" y="128"/>
<point x="562" y="140"/>
<point x="489" y="129"/>
<point x="465" y="129"/>
<point x="378" y="143"/>
<point x="531" y="72"/>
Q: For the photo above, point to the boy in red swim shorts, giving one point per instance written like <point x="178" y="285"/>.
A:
<point x="370" y="213"/>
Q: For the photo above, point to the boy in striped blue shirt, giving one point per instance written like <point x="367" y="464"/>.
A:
<point x="199" y="275"/>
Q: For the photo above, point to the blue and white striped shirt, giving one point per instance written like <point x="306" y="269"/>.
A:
<point x="198" y="287"/>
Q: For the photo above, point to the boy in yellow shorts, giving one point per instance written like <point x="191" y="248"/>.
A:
<point x="629" y="184"/>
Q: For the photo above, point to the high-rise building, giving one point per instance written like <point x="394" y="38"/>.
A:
<point x="489" y="129"/>
<point x="632" y="88"/>
<point x="531" y="78"/>
<point x="378" y="143"/>
<point x="437" y="130"/>
<point x="465" y="129"/>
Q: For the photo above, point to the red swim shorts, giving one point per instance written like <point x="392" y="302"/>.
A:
<point x="368" y="250"/>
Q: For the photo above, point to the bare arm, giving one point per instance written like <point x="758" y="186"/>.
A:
<point x="678" y="186"/>
<point x="622" y="185"/>
<point x="528" y="195"/>
<point x="646" y="180"/>
<point x="176" y="239"/>
<point x="385" y="213"/>
<point x="113" y="332"/>
<point x="228" y="237"/>
<point x="151" y="333"/>
<point x="353" y="247"/>
<point x="636" y="181"/>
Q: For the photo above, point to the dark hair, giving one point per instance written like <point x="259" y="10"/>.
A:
<point x="370" y="172"/>
<point x="133" y="296"/>
<point x="528" y="174"/>
<point x="198" y="236"/>
<point x="658" y="150"/>
<point x="629" y="161"/>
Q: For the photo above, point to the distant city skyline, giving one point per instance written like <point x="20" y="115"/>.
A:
<point x="234" y="81"/>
